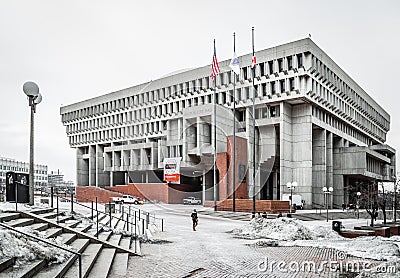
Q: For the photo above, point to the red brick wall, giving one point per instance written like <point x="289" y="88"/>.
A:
<point x="89" y="193"/>
<point x="241" y="158"/>
<point x="270" y="206"/>
<point x="148" y="191"/>
<point x="222" y="165"/>
<point x="177" y="192"/>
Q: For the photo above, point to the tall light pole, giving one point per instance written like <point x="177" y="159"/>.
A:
<point x="291" y="186"/>
<point x="358" y="204"/>
<point x="327" y="192"/>
<point x="32" y="91"/>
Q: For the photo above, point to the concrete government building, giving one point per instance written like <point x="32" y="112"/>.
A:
<point x="314" y="125"/>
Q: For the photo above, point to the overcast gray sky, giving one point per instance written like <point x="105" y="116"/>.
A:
<point x="77" y="50"/>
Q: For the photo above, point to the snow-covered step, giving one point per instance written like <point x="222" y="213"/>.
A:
<point x="89" y="257"/>
<point x="115" y="239"/>
<point x="8" y="216"/>
<point x="120" y="225"/>
<point x="42" y="210"/>
<point x="20" y="222"/>
<point x="48" y="215"/>
<point x="116" y="219"/>
<point x="104" y="236"/>
<point x="58" y="270"/>
<point x="102" y="266"/>
<point x="104" y="221"/>
<point x="38" y="226"/>
<point x="28" y="269"/>
<point x="72" y="223"/>
<point x="84" y="228"/>
<point x="64" y="218"/>
<point x="120" y="264"/>
<point x="67" y="238"/>
<point x="53" y="232"/>
<point x="6" y="263"/>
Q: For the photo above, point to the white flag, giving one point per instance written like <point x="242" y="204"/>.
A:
<point x="234" y="65"/>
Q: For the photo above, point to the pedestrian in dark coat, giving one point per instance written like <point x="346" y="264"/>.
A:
<point x="195" y="219"/>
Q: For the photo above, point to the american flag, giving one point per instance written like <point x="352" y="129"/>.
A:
<point x="253" y="61"/>
<point x="214" y="66"/>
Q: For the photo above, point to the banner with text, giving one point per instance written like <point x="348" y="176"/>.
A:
<point x="172" y="169"/>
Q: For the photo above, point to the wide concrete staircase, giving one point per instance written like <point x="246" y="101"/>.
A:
<point x="103" y="254"/>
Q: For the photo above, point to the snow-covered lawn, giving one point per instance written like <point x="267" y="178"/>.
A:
<point x="25" y="249"/>
<point x="293" y="232"/>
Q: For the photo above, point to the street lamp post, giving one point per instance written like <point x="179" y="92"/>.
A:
<point x="327" y="192"/>
<point x="291" y="186"/>
<point x="32" y="91"/>
<point x="358" y="204"/>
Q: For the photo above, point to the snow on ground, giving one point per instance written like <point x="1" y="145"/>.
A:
<point x="293" y="232"/>
<point x="283" y="228"/>
<point x="25" y="249"/>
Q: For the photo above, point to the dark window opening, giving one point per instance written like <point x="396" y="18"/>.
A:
<point x="282" y="84"/>
<point x="262" y="69"/>
<point x="290" y="62"/>
<point x="291" y="84"/>
<point x="245" y="73"/>
<point x="299" y="60"/>
<point x="271" y="67"/>
<point x="280" y="65"/>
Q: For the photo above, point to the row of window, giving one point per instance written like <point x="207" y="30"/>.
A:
<point x="323" y="93"/>
<point x="3" y="174"/>
<point x="322" y="71"/>
<point x="159" y="110"/>
<point x="156" y="127"/>
<point x="338" y="124"/>
<point x="262" y="69"/>
<point x="374" y="166"/>
<point x="20" y="169"/>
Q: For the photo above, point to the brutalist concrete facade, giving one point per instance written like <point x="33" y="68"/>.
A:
<point x="314" y="125"/>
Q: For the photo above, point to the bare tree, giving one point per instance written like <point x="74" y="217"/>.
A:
<point x="383" y="200"/>
<point x="370" y="201"/>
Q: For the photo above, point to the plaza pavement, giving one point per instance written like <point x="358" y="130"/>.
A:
<point x="212" y="251"/>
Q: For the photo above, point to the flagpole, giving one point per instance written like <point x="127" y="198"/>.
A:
<point x="254" y="131"/>
<point x="234" y="133"/>
<point x="215" y="138"/>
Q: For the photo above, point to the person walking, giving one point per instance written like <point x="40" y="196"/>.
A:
<point x="195" y="219"/>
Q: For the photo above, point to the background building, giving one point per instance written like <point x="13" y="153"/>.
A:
<point x="56" y="180"/>
<point x="12" y="165"/>
<point x="314" y="125"/>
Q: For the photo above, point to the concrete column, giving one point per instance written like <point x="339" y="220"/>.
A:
<point x="111" y="178"/>
<point x="319" y="173"/>
<point x="275" y="195"/>
<point x="102" y="179"/>
<point x="296" y="150"/>
<point x="92" y="165"/>
<point x="338" y="179"/>
<point x="199" y="131"/>
<point x="82" y="168"/>
<point x="185" y="157"/>
<point x="329" y="166"/>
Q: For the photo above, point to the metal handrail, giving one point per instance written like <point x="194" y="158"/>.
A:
<point x="49" y="243"/>
<point x="147" y="214"/>
<point x="98" y="211"/>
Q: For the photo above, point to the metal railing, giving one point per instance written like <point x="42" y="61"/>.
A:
<point x="47" y="242"/>
<point x="130" y="224"/>
<point x="142" y="215"/>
